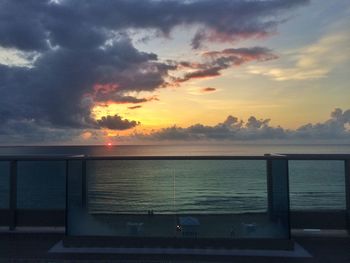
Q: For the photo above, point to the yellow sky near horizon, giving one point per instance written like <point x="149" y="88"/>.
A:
<point x="307" y="81"/>
<point x="286" y="64"/>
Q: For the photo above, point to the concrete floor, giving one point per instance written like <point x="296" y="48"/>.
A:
<point x="29" y="246"/>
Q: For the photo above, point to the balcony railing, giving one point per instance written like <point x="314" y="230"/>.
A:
<point x="199" y="197"/>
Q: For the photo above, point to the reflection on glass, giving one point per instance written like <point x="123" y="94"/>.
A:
<point x="4" y="184"/>
<point x="175" y="198"/>
<point x="41" y="184"/>
<point x="279" y="195"/>
<point x="317" y="185"/>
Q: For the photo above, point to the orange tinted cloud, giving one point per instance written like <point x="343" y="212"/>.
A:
<point x="216" y="61"/>
<point x="208" y="90"/>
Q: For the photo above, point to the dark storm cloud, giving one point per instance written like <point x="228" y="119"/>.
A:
<point x="116" y="123"/>
<point x="21" y="25"/>
<point x="81" y="44"/>
<point x="28" y="131"/>
<point x="112" y="93"/>
<point x="120" y="99"/>
<point x="53" y="90"/>
<point x="223" y="20"/>
<point x="73" y="24"/>
<point x="255" y="129"/>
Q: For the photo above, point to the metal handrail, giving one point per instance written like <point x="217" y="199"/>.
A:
<point x="272" y="156"/>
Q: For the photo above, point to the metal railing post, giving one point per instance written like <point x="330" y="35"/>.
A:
<point x="347" y="193"/>
<point x="269" y="184"/>
<point x="13" y="195"/>
<point x="83" y="184"/>
<point x="278" y="191"/>
<point x="66" y="198"/>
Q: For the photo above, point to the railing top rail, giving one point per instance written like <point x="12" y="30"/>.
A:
<point x="189" y="157"/>
<point x="87" y="157"/>
<point x="321" y="156"/>
<point x="45" y="157"/>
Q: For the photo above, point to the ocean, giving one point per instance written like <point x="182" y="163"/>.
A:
<point x="176" y="186"/>
<point x="176" y="150"/>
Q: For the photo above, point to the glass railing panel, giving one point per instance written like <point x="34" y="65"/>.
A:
<point x="172" y="198"/>
<point x="131" y="197"/>
<point x="4" y="184"/>
<point x="41" y="184"/>
<point x="131" y="186"/>
<point x="317" y="185"/>
<point x="278" y="187"/>
<point x="121" y="197"/>
<point x="76" y="210"/>
<point x="220" y="186"/>
<point x="221" y="198"/>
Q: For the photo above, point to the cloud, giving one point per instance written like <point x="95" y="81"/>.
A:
<point x="311" y="62"/>
<point x="29" y="131"/>
<point x="242" y="55"/>
<point x="15" y="58"/>
<point x="134" y="107"/>
<point x="116" y="123"/>
<point x="57" y="93"/>
<point x="208" y="90"/>
<point x="335" y="127"/>
<point x="39" y="24"/>
<point x="216" y="61"/>
<point x="246" y="19"/>
<point x="32" y="132"/>
<point x="232" y="129"/>
<point x="114" y="93"/>
<point x="70" y="47"/>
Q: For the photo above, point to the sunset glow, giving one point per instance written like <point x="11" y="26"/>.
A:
<point x="176" y="70"/>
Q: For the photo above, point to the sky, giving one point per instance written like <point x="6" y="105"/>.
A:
<point x="159" y="71"/>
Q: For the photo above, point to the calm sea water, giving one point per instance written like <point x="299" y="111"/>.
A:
<point x="176" y="150"/>
<point x="216" y="186"/>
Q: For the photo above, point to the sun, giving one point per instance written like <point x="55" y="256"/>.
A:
<point x="109" y="144"/>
